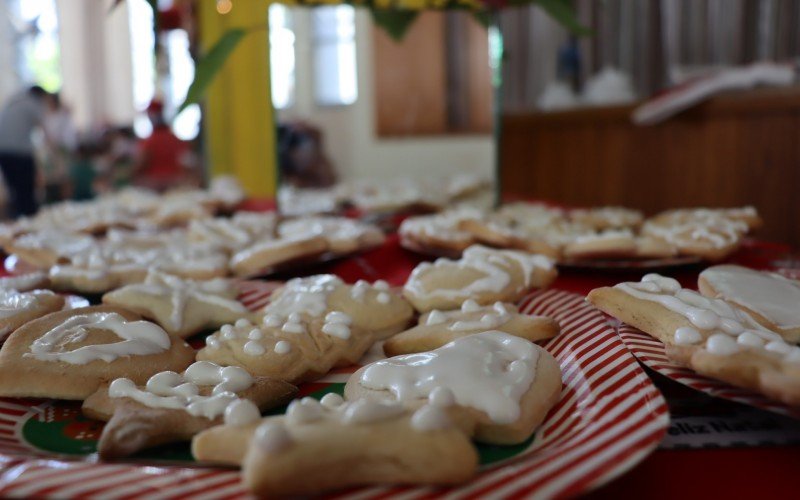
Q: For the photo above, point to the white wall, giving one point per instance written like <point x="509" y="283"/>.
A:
<point x="349" y="131"/>
<point x="96" y="62"/>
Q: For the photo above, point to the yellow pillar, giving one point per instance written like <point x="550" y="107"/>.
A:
<point x="239" y="121"/>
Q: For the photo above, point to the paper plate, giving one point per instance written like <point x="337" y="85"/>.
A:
<point x="609" y="418"/>
<point x="651" y="352"/>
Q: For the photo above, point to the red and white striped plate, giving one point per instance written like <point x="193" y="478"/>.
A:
<point x="610" y="417"/>
<point x="651" y="352"/>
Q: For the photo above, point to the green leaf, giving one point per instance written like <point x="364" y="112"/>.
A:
<point x="563" y="13"/>
<point x="395" y="22"/>
<point x="482" y="17"/>
<point x="208" y="67"/>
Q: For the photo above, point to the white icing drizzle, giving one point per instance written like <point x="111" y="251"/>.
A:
<point x="770" y="295"/>
<point x="729" y="329"/>
<point x="472" y="317"/>
<point x="182" y="392"/>
<point x="332" y="400"/>
<point x="489" y="262"/>
<point x="337" y="324"/>
<point x="253" y="348"/>
<point x="139" y="338"/>
<point x="488" y="371"/>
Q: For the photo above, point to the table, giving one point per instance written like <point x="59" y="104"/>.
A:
<point x="767" y="472"/>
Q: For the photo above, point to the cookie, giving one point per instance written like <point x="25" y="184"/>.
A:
<point x="708" y="335"/>
<point x="508" y="383"/>
<point x="18" y="308"/>
<point x="174" y="407"/>
<point x="374" y="307"/>
<point x="343" y="235"/>
<point x="770" y="299"/>
<point x="357" y="443"/>
<point x="233" y="233"/>
<point x="310" y="326"/>
<point x="604" y="218"/>
<point x="437" y="328"/>
<point x="182" y="307"/>
<point x="264" y="256"/>
<point x="608" y="244"/>
<point x="46" y="248"/>
<point x="440" y="234"/>
<point x="69" y="354"/>
<point x="483" y="274"/>
<point x="25" y="282"/>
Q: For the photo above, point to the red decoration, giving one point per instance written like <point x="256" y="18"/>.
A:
<point x="170" y="19"/>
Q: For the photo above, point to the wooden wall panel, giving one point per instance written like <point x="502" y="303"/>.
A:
<point x="733" y="150"/>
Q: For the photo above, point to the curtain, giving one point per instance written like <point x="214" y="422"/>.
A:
<point x="657" y="43"/>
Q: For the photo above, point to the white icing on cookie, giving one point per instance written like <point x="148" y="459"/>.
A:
<point x="491" y="263"/>
<point x="272" y="436"/>
<point x="241" y="412"/>
<point x="182" y="392"/>
<point x="305" y="295"/>
<point x="140" y="338"/>
<point x="729" y="329"/>
<point x="13" y="302"/>
<point x="488" y="371"/>
<point x="772" y="296"/>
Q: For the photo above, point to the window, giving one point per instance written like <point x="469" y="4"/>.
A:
<point x="38" y="56"/>
<point x="334" y="47"/>
<point x="186" y="125"/>
<point x="140" y="16"/>
<point x="281" y="55"/>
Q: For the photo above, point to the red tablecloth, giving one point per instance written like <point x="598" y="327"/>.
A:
<point x="715" y="473"/>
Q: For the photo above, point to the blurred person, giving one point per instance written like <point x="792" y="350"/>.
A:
<point x="301" y="156"/>
<point x="82" y="172"/>
<point x="61" y="142"/>
<point x="162" y="160"/>
<point x="19" y="117"/>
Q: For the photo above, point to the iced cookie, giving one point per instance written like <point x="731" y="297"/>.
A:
<point x="707" y="334"/>
<point x="770" y="299"/>
<point x="262" y="257"/>
<point x="320" y="446"/>
<point x="493" y="232"/>
<point x="342" y="234"/>
<point x="296" y="349"/>
<point x="25" y="282"/>
<point x="440" y="234"/>
<point x="174" y="407"/>
<point x="483" y="274"/>
<point x="437" y="328"/>
<point x="69" y="354"/>
<point x="604" y="218"/>
<point x="608" y="244"/>
<point x="508" y="383"/>
<point x="43" y="249"/>
<point x="182" y="307"/>
<point x="18" y="308"/>
<point x="233" y="233"/>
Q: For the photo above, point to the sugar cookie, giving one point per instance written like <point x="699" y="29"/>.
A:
<point x="437" y="328"/>
<point x="18" y="308"/>
<point x="69" y="354"/>
<point x="174" y="407"/>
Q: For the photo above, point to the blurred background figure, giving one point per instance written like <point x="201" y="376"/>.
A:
<point x="59" y="144"/>
<point x="20" y="115"/>
<point x="162" y="160"/>
<point x="301" y="156"/>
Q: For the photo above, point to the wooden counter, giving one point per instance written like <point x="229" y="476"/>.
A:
<point x="735" y="149"/>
